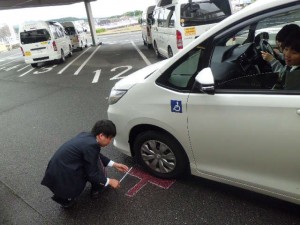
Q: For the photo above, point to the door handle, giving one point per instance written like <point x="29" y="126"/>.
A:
<point x="298" y="111"/>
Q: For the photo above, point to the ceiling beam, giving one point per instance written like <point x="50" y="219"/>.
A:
<point x="17" y="4"/>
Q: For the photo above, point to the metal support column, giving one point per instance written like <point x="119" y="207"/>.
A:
<point x="91" y="20"/>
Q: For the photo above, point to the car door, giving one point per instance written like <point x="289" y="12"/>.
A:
<point x="246" y="132"/>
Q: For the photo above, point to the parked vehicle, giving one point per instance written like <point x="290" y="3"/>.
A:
<point x="44" y="41"/>
<point x="177" y="23"/>
<point x="211" y="109"/>
<point x="146" y="22"/>
<point x="77" y="34"/>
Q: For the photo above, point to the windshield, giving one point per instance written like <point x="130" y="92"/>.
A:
<point x="33" y="36"/>
<point x="203" y="12"/>
<point x="70" y="30"/>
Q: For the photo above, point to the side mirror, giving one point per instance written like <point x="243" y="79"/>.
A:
<point x="206" y="81"/>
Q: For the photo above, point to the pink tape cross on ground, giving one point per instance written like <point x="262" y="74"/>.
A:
<point x="144" y="179"/>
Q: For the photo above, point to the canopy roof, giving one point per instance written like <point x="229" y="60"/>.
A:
<point x="17" y="4"/>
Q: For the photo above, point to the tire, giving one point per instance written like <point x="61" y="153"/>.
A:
<point x="156" y="50"/>
<point x="170" y="52"/>
<point x="34" y="65"/>
<point x="161" y="154"/>
<point x="86" y="44"/>
<point x="70" y="51"/>
<point x="63" y="58"/>
<point x="149" y="46"/>
<point x="81" y="46"/>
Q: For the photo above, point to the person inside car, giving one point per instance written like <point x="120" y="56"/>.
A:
<point x="291" y="52"/>
<point x="277" y="61"/>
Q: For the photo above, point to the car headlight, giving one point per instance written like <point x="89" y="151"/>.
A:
<point x="115" y="95"/>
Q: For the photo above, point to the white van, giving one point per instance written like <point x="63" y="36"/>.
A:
<point x="177" y="23"/>
<point x="146" y="22"/>
<point x="211" y="109"/>
<point x="43" y="41"/>
<point x="77" y="34"/>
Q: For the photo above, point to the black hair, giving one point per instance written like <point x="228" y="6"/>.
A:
<point x="285" y="31"/>
<point x="105" y="127"/>
<point x="293" y="41"/>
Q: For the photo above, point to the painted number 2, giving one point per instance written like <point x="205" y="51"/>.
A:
<point x="118" y="76"/>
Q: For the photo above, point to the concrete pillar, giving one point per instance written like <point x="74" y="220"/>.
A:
<point x="91" y="21"/>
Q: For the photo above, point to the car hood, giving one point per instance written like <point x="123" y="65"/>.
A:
<point x="138" y="76"/>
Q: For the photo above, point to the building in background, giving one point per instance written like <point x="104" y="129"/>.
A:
<point x="8" y="37"/>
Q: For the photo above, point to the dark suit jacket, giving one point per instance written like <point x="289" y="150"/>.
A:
<point x="73" y="164"/>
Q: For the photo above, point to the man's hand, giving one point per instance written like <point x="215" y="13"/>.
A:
<point x="267" y="56"/>
<point x="114" y="183"/>
<point x="121" y="167"/>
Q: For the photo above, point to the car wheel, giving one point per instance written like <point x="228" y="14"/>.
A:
<point x="81" y="46"/>
<point x="34" y="65"/>
<point x="160" y="154"/>
<point x="70" y="51"/>
<point x="63" y="58"/>
<point x="170" y="52"/>
<point x="149" y="46"/>
<point x="86" y="43"/>
<point x="156" y="50"/>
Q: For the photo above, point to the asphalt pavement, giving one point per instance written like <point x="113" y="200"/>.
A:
<point x="43" y="109"/>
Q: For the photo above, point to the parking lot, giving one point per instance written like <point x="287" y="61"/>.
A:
<point x="43" y="107"/>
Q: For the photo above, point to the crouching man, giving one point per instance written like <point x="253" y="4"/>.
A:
<point x="79" y="161"/>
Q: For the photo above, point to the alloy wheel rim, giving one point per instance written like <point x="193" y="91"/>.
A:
<point x="158" y="156"/>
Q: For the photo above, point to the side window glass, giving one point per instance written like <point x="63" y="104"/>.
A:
<point x="54" y="31"/>
<point x="181" y="75"/>
<point x="62" y="32"/>
<point x="155" y="17"/>
<point x="171" y="18"/>
<point x="58" y="32"/>
<point x="160" y="21"/>
<point x="166" y="17"/>
<point x="237" y="61"/>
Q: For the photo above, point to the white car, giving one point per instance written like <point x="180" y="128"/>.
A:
<point x="43" y="41"/>
<point x="211" y="109"/>
<point x="77" y="34"/>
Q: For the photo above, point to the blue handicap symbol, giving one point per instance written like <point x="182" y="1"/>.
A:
<point x="176" y="106"/>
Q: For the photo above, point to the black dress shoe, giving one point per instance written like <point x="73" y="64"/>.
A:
<point x="65" y="203"/>
<point x="95" y="193"/>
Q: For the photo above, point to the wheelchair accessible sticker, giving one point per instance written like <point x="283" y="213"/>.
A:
<point x="176" y="106"/>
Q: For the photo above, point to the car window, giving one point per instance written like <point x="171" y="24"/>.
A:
<point x="70" y="30"/>
<point x="33" y="36"/>
<point x="203" y="12"/>
<point x="181" y="75"/>
<point x="237" y="62"/>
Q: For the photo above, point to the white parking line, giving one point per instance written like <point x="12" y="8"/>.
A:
<point x="23" y="68"/>
<point x="141" y="54"/>
<point x="26" y="72"/>
<point x="10" y="57"/>
<point x="8" y="62"/>
<point x="85" y="62"/>
<point x="62" y="70"/>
